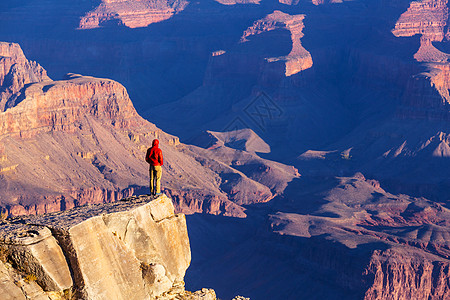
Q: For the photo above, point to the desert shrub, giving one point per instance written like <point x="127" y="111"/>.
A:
<point x="30" y="278"/>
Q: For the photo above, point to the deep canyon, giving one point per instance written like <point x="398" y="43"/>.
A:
<point x="307" y="142"/>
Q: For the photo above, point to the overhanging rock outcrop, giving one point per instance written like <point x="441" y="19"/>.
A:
<point x="137" y="248"/>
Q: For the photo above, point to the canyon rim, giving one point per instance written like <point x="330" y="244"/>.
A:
<point x="307" y="142"/>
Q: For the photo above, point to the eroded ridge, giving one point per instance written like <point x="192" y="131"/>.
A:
<point x="299" y="58"/>
<point x="384" y="246"/>
<point x="429" y="19"/>
<point x="131" y="13"/>
<point x="16" y="71"/>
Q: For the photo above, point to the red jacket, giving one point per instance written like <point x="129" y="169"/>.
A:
<point x="154" y="155"/>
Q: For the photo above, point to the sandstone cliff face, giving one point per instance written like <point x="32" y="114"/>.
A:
<point x="133" y="14"/>
<point x="136" y="248"/>
<point x="427" y="95"/>
<point x="63" y="105"/>
<point x="398" y="274"/>
<point x="299" y="58"/>
<point x="16" y="71"/>
<point x="428" y="18"/>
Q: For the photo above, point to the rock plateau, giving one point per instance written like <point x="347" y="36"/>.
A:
<point x="131" y="13"/>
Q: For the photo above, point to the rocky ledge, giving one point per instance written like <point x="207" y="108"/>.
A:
<point x="136" y="248"/>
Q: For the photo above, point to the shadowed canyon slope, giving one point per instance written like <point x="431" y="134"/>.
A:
<point x="429" y="19"/>
<point x="341" y="238"/>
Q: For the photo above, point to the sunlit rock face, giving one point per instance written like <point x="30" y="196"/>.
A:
<point x="429" y="19"/>
<point x="299" y="58"/>
<point x="426" y="17"/>
<point x="137" y="248"/>
<point x="131" y="13"/>
<point x="16" y="71"/>
<point x="234" y="2"/>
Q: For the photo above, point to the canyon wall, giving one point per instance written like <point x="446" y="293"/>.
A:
<point x="299" y="58"/>
<point x="403" y="275"/>
<point x="16" y="71"/>
<point x="63" y="105"/>
<point x="79" y="140"/>
<point x="234" y="2"/>
<point x="425" y="17"/>
<point x="373" y="243"/>
<point x="133" y="14"/>
<point x="427" y="94"/>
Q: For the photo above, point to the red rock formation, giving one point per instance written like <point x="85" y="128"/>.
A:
<point x="427" y="95"/>
<point x="16" y="71"/>
<point x="428" y="53"/>
<point x="289" y="2"/>
<point x="132" y="13"/>
<point x="425" y="17"/>
<point x="62" y="105"/>
<point x="233" y="2"/>
<point x="428" y="18"/>
<point x="388" y="246"/>
<point x="77" y="197"/>
<point x="397" y="274"/>
<point x="441" y="80"/>
<point x="299" y="58"/>
<point x="198" y="201"/>
<point x="80" y="141"/>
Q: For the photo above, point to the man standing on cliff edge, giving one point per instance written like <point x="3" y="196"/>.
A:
<point x="155" y="158"/>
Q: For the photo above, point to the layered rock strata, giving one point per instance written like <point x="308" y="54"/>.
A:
<point x="16" y="71"/>
<point x="427" y="95"/>
<point x="428" y="18"/>
<point x="137" y="248"/>
<point x="299" y="58"/>
<point x="79" y="140"/>
<point x="62" y="105"/>
<point x="403" y="275"/>
<point x="131" y="13"/>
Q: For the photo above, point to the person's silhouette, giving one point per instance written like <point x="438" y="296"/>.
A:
<point x="155" y="158"/>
